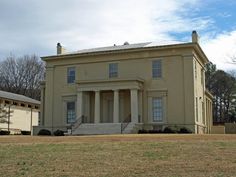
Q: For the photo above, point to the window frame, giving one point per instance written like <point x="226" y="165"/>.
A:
<point x="113" y="70"/>
<point x="72" y="113"/>
<point x="157" y="69"/>
<point x="157" y="110"/>
<point x="202" y="76"/>
<point x="70" y="77"/>
<point x="196" y="104"/>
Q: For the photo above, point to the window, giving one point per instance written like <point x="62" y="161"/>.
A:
<point x="157" y="109"/>
<point x="156" y="69"/>
<point x="202" y="76"/>
<point x="71" y="75"/>
<point x="113" y="70"/>
<point x="195" y="68"/>
<point x="197" y="109"/>
<point x="70" y="112"/>
<point x="203" y="113"/>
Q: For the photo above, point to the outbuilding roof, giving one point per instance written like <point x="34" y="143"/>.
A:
<point x="17" y="97"/>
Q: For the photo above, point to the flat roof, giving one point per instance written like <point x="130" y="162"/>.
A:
<point x="129" y="48"/>
<point x="120" y="47"/>
<point x="17" y="97"/>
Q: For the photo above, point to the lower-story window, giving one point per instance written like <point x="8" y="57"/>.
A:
<point x="157" y="109"/>
<point x="70" y="112"/>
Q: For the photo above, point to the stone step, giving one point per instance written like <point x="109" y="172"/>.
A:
<point x="100" y="128"/>
<point x="129" y="128"/>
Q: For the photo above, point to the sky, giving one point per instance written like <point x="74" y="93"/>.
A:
<point x="36" y="26"/>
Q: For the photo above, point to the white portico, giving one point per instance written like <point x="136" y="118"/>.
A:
<point x="113" y="101"/>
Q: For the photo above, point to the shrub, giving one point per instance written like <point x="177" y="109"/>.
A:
<point x="184" y="130"/>
<point x="23" y="132"/>
<point x="149" y="131"/>
<point x="4" y="132"/>
<point x="58" y="133"/>
<point x="142" y="131"/>
<point x="169" y="130"/>
<point x="155" y="131"/>
<point x="44" y="132"/>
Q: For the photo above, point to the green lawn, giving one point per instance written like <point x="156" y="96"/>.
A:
<point x="120" y="155"/>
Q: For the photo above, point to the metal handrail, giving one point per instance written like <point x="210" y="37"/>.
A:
<point x="125" y="123"/>
<point x="77" y="123"/>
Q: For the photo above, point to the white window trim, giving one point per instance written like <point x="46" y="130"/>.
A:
<point x="65" y="99"/>
<point x="161" y="68"/>
<point x="67" y="75"/>
<point x="158" y="109"/>
<point x="110" y="73"/>
<point x="67" y="120"/>
<point x="164" y="113"/>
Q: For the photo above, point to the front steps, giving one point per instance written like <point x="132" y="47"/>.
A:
<point x="132" y="128"/>
<point x="96" y="129"/>
<point x="129" y="128"/>
<point x="104" y="128"/>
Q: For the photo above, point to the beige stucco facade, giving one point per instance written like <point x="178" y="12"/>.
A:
<point x="103" y="100"/>
<point x="23" y="115"/>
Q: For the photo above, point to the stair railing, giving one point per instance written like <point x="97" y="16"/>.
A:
<point x="125" y="123"/>
<point x="77" y="123"/>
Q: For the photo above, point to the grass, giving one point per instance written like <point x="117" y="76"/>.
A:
<point x="119" y="155"/>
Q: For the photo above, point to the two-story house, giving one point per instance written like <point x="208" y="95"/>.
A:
<point x="126" y="88"/>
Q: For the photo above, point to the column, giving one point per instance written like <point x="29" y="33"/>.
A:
<point x="79" y="104"/>
<point x="97" y="107"/>
<point x="42" y="110"/>
<point x="116" y="107"/>
<point x="134" y="105"/>
<point x="49" y="95"/>
<point x="140" y="106"/>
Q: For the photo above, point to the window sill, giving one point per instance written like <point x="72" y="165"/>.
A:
<point x="69" y="84"/>
<point x="157" y="78"/>
<point x="157" y="122"/>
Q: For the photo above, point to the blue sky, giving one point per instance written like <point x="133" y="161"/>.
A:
<point x="34" y="27"/>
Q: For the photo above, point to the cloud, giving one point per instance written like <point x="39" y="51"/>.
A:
<point x="220" y="49"/>
<point x="36" y="26"/>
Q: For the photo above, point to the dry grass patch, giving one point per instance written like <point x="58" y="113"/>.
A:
<point x="119" y="155"/>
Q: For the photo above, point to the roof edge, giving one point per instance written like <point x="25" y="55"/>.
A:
<point x="47" y="58"/>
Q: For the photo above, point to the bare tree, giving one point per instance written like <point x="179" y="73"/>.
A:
<point x="22" y="75"/>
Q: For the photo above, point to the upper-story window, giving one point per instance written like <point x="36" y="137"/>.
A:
<point x="71" y="75"/>
<point x="156" y="69"/>
<point x="202" y="76"/>
<point x="113" y="70"/>
<point x="195" y="68"/>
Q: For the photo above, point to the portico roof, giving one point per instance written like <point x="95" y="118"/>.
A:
<point x="110" y="84"/>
